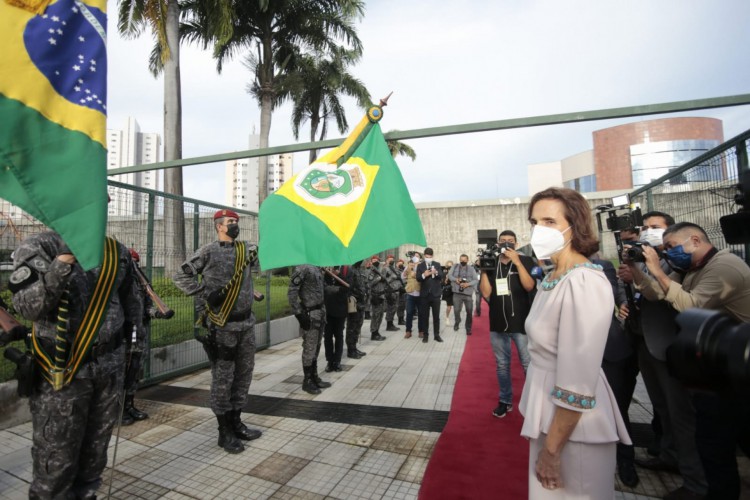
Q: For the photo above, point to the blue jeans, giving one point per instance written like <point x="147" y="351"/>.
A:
<point x="501" y="347"/>
<point x="412" y="305"/>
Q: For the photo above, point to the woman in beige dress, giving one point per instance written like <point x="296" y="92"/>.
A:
<point x="570" y="413"/>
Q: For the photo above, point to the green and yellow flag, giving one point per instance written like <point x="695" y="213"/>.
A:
<point x="53" y="101"/>
<point x="344" y="207"/>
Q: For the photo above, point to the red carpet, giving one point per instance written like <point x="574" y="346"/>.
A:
<point x="479" y="456"/>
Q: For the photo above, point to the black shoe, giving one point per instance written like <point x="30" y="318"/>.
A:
<point x="425" y="339"/>
<point x="438" y="339"/>
<point x="134" y="412"/>
<point x="656" y="464"/>
<point x="329" y="367"/>
<point x="502" y="410"/>
<point x="477" y="314"/>
<point x="627" y="473"/>
<point x="308" y="384"/>
<point x="316" y="378"/>
<point x="336" y="368"/>
<point x="390" y="327"/>
<point x="376" y="336"/>
<point x="401" y="321"/>
<point x="455" y="328"/>
<point x="241" y="430"/>
<point x="654" y="449"/>
<point x="227" y="439"/>
<point x="127" y="418"/>
<point x="361" y="354"/>
<point x="367" y="315"/>
<point x="353" y="354"/>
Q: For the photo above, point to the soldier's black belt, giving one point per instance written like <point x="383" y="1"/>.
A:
<point x="236" y="316"/>
<point x="314" y="308"/>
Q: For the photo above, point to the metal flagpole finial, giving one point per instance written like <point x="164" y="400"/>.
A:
<point x="384" y="101"/>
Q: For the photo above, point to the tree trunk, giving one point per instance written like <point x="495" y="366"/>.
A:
<point x="314" y="121"/>
<point x="266" y="108"/>
<point x="174" y="215"/>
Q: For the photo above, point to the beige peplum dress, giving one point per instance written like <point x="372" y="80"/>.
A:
<point x="567" y="328"/>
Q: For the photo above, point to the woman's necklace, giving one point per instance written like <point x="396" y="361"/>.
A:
<point x="548" y="284"/>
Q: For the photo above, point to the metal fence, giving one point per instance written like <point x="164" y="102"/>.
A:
<point x="149" y="222"/>
<point x="702" y="190"/>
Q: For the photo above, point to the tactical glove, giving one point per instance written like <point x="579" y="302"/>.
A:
<point x="304" y="320"/>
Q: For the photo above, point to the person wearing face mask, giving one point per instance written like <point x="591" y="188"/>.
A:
<point x="570" y="414"/>
<point x="464" y="281"/>
<point x="707" y="278"/>
<point x="224" y="300"/>
<point x="430" y="277"/>
<point x="409" y="275"/>
<point x="377" y="286"/>
<point x="669" y="397"/>
<point x="509" y="290"/>
<point x="401" y="307"/>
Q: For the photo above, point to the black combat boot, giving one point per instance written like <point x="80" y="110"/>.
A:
<point x="308" y="384"/>
<point x="227" y="439"/>
<point x="134" y="412"/>
<point x="316" y="378"/>
<point x="401" y="321"/>
<point x="351" y="352"/>
<point x="241" y="430"/>
<point x="361" y="354"/>
<point x="376" y="336"/>
<point x="126" y="418"/>
<point x="390" y="327"/>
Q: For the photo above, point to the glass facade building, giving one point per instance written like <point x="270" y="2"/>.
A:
<point x="651" y="160"/>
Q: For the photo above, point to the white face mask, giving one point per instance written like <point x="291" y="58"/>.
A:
<point x="546" y="241"/>
<point x="415" y="259"/>
<point x="653" y="236"/>
<point x="427" y="261"/>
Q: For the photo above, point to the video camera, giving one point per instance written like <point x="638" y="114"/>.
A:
<point x="712" y="351"/>
<point x="621" y="215"/>
<point x="488" y="256"/>
<point x="635" y="251"/>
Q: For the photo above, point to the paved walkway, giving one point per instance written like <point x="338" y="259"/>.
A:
<point x="173" y="454"/>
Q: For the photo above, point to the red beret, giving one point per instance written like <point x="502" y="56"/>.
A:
<point x="135" y="255"/>
<point x="400" y="260"/>
<point x="390" y="257"/>
<point x="226" y="213"/>
<point x="375" y="257"/>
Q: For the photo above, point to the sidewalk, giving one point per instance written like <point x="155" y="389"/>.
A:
<point x="402" y="389"/>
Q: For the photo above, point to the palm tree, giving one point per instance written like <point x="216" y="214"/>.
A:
<point x="316" y="86"/>
<point x="398" y="148"/>
<point x="274" y="34"/>
<point x="162" y="16"/>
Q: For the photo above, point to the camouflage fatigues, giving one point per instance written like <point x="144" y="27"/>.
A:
<point x="306" y="294"/>
<point x="376" y="284"/>
<point x="72" y="426"/>
<point x="232" y="370"/>
<point x="393" y="289"/>
<point x="355" y="320"/>
<point x="139" y="342"/>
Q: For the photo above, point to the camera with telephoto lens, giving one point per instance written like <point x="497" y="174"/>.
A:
<point x="621" y="215"/>
<point x="635" y="251"/>
<point x="712" y="351"/>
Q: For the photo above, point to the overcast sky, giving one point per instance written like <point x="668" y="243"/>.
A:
<point x="453" y="62"/>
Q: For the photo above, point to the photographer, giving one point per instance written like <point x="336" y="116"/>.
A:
<point x="707" y="278"/>
<point x="430" y="278"/>
<point x="509" y="290"/>
<point x="670" y="399"/>
<point x="464" y="280"/>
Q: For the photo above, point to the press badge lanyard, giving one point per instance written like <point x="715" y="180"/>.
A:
<point x="502" y="286"/>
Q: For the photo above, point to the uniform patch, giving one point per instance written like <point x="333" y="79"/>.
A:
<point x="39" y="264"/>
<point x="21" y="278"/>
<point x="296" y="280"/>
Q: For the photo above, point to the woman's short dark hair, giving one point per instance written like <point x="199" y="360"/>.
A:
<point x="578" y="214"/>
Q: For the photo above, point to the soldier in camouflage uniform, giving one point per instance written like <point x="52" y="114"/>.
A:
<point x="72" y="426"/>
<point x="401" y="309"/>
<point x="366" y="267"/>
<point x="138" y="348"/>
<point x="393" y="286"/>
<point x="355" y="319"/>
<point x="306" y="298"/>
<point x="376" y="284"/>
<point x="231" y="346"/>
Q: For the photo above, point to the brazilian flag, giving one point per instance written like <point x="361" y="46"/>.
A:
<point x="53" y="102"/>
<point x="344" y="207"/>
